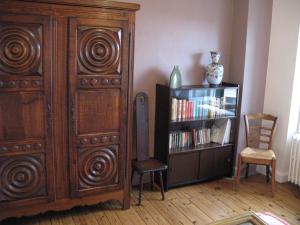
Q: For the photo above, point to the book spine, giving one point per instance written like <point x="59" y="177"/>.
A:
<point x="174" y="109"/>
<point x="179" y="106"/>
<point x="183" y="109"/>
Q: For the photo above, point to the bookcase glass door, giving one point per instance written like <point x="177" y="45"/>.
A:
<point x="201" y="117"/>
<point x="201" y="104"/>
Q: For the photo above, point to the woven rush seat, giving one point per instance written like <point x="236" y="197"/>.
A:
<point x="256" y="153"/>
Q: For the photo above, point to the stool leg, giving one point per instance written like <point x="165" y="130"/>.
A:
<point x="152" y="180"/>
<point x="268" y="173"/>
<point x="247" y="171"/>
<point x="161" y="185"/>
<point x="141" y="188"/>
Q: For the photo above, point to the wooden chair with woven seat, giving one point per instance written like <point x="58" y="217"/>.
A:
<point x="143" y="163"/>
<point x="260" y="130"/>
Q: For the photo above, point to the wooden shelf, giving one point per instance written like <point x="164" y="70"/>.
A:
<point x="202" y="119"/>
<point x="177" y="125"/>
<point x="197" y="148"/>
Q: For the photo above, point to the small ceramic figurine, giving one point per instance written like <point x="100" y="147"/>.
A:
<point x="215" y="70"/>
<point x="175" y="78"/>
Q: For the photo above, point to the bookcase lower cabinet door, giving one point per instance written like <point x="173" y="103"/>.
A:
<point x="207" y="164"/>
<point x="190" y="163"/>
<point x="215" y="163"/>
<point x="223" y="161"/>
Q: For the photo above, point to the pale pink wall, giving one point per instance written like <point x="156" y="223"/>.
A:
<point x="238" y="55"/>
<point x="171" y="32"/>
<point x="249" y="60"/>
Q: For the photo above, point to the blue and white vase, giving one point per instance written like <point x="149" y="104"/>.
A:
<point x="215" y="70"/>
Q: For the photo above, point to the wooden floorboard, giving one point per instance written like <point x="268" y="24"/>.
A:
<point x="196" y="204"/>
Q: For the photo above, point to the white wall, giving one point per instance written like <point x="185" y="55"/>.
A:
<point x="280" y="77"/>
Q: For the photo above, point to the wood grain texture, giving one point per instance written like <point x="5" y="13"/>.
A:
<point x="65" y="104"/>
<point x="93" y="3"/>
<point x="197" y="204"/>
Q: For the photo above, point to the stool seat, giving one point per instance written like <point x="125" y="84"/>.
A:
<point x="149" y="165"/>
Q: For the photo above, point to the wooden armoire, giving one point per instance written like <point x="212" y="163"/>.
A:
<point x="66" y="71"/>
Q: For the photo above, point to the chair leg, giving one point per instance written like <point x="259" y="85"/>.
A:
<point x="238" y="172"/>
<point x="141" y="188"/>
<point x="247" y="171"/>
<point x="273" y="176"/>
<point x="152" y="180"/>
<point x="132" y="175"/>
<point x="161" y="185"/>
<point x="268" y="173"/>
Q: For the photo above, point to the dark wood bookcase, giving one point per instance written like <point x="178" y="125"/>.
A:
<point x="194" y="162"/>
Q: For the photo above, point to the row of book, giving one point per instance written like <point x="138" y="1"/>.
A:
<point x="199" y="108"/>
<point x="186" y="139"/>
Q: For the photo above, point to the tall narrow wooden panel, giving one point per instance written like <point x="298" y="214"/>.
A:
<point x="98" y="77"/>
<point x="26" y="158"/>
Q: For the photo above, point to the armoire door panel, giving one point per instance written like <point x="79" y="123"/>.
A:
<point x="99" y="50"/>
<point x="22" y="177"/>
<point x="98" y="167"/>
<point x="26" y="156"/>
<point x="21" y="45"/>
<point x="98" y="111"/>
<point x="22" y="116"/>
<point x="98" y="76"/>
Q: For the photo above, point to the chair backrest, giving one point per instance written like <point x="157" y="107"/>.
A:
<point x="260" y="130"/>
<point x="142" y="129"/>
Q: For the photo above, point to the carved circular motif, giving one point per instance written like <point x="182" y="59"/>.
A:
<point x="97" y="166"/>
<point x="105" y="81"/>
<point x="99" y="50"/>
<point x="24" y="83"/>
<point x="116" y="81"/>
<point x="95" y="140"/>
<point x="21" y="177"/>
<point x="94" y="82"/>
<point x="104" y="139"/>
<point x="114" y="138"/>
<point x="19" y="50"/>
<point x="36" y="83"/>
<point x="12" y="84"/>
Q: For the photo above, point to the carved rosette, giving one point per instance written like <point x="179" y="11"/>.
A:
<point x="21" y="177"/>
<point x="99" y="51"/>
<point x="105" y="139"/>
<point x="98" y="167"/>
<point x="20" y="50"/>
<point x="15" y="147"/>
<point x="21" y="84"/>
<point x="99" y="82"/>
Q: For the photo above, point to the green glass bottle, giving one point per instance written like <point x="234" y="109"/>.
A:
<point x="175" y="78"/>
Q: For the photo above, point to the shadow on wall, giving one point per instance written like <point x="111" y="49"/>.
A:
<point x="147" y="81"/>
<point x="196" y="69"/>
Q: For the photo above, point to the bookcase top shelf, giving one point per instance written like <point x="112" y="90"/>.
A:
<point x="198" y="148"/>
<point x="190" y="87"/>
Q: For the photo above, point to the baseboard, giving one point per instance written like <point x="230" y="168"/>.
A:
<point x="280" y="176"/>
